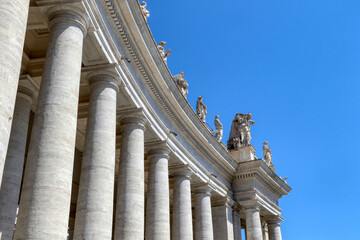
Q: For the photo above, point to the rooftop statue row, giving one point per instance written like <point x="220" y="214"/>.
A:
<point x="240" y="135"/>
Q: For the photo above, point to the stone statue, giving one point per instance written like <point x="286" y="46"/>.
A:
<point x="201" y="109"/>
<point x="182" y="84"/>
<point x="240" y="131"/>
<point x="162" y="52"/>
<point x="219" y="129"/>
<point x="144" y="11"/>
<point x="267" y="154"/>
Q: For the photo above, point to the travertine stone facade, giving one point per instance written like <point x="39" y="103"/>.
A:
<point x="94" y="220"/>
<point x="45" y="198"/>
<point x="203" y="213"/>
<point x="182" y="228"/>
<point x="10" y="186"/>
<point x="13" y="19"/>
<point x="130" y="207"/>
<point x="110" y="146"/>
<point x="253" y="224"/>
<point x="274" y="229"/>
<point x="158" y="205"/>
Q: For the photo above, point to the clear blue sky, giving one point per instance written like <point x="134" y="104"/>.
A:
<point x="295" y="65"/>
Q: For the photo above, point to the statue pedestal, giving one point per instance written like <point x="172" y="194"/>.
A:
<point x="244" y="153"/>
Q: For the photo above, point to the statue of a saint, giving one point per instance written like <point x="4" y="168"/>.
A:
<point x="162" y="52"/>
<point x="245" y="136"/>
<point x="240" y="130"/>
<point x="144" y="11"/>
<point x="267" y="153"/>
<point x="201" y="109"/>
<point x="219" y="129"/>
<point x="181" y="83"/>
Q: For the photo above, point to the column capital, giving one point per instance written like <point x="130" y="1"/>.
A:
<point x="202" y="189"/>
<point x="27" y="87"/>
<point x="104" y="78"/>
<point x="134" y="121"/>
<point x="158" y="151"/>
<point x="223" y="201"/>
<point x="275" y="221"/>
<point x="68" y="13"/>
<point x="237" y="208"/>
<point x="252" y="208"/>
<point x="25" y="94"/>
<point x="183" y="170"/>
<point x="134" y="118"/>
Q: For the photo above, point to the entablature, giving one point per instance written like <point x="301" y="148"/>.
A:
<point x="256" y="182"/>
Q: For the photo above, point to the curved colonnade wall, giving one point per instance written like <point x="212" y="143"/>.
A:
<point x="109" y="138"/>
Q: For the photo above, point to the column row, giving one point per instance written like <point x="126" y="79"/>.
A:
<point x="46" y="190"/>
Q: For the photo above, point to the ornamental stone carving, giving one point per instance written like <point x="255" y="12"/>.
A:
<point x="219" y="129"/>
<point x="144" y="11"/>
<point x="267" y="154"/>
<point x="240" y="131"/>
<point x="182" y="84"/>
<point x="201" y="109"/>
<point x="164" y="54"/>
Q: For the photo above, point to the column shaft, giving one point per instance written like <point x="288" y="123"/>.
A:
<point x="265" y="231"/>
<point x="129" y="222"/>
<point x="203" y="215"/>
<point x="11" y="183"/>
<point x="253" y="224"/>
<point x="223" y="221"/>
<point x="94" y="210"/>
<point x="13" y="19"/>
<point x="182" y="227"/>
<point x="237" y="225"/>
<point x="274" y="230"/>
<point x="157" y="203"/>
<point x="45" y="199"/>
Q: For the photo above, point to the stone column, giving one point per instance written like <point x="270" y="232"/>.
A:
<point x="13" y="19"/>
<point x="265" y="230"/>
<point x="203" y="215"/>
<point x="94" y="210"/>
<point x="253" y="224"/>
<point x="157" y="203"/>
<point x="274" y="229"/>
<point x="45" y="198"/>
<point x="182" y="228"/>
<point x="129" y="222"/>
<point x="11" y="183"/>
<point x="237" y="224"/>
<point x="222" y="216"/>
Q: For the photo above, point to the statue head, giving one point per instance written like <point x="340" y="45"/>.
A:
<point x="248" y="116"/>
<point x="200" y="97"/>
<point x="217" y="117"/>
<point x="182" y="74"/>
<point x="265" y="143"/>
<point x="162" y="43"/>
<point x="143" y="4"/>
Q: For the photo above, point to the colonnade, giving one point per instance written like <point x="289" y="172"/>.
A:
<point x="46" y="186"/>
